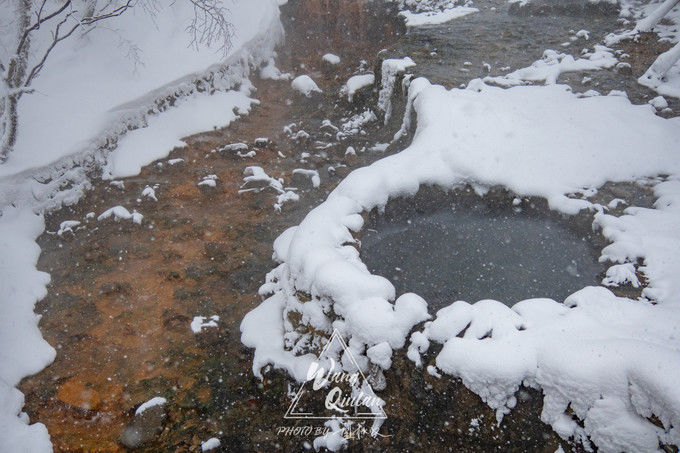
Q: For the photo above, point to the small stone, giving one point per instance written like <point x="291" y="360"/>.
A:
<point x="144" y="427"/>
<point x="624" y="68"/>
<point x="261" y="142"/>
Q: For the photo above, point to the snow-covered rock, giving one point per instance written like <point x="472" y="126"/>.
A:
<point x="305" y="85"/>
<point x="331" y="58"/>
<point x="356" y="83"/>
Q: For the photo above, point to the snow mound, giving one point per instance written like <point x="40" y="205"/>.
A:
<point x="23" y="351"/>
<point x="89" y="96"/>
<point x="663" y="76"/>
<point x="155" y="401"/>
<point x="436" y="17"/>
<point x="600" y="355"/>
<point x="549" y="68"/>
<point x="391" y="68"/>
<point x="197" y="113"/>
<point x="211" y="444"/>
<point x="356" y="83"/>
<point x="305" y="85"/>
<point x="331" y="58"/>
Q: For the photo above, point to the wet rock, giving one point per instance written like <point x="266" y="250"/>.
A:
<point x="301" y="181"/>
<point x="201" y="271"/>
<point x="143" y="428"/>
<point x="624" y="68"/>
<point x="262" y="142"/>
<point x="363" y="96"/>
<point x="232" y="150"/>
<point x="79" y="394"/>
<point x="342" y="172"/>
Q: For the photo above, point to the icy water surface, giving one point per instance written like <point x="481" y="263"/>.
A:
<point x="478" y="250"/>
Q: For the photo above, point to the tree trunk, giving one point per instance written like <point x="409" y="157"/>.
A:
<point x="16" y="72"/>
<point x="11" y="125"/>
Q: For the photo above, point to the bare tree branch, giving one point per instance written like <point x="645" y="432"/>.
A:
<point x="210" y="24"/>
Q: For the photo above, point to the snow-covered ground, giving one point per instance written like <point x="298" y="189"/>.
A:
<point x="92" y="83"/>
<point x="664" y="75"/>
<point x="613" y="361"/>
<point x="91" y="92"/>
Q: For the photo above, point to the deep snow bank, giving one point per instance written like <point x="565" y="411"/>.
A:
<point x="22" y="348"/>
<point x="538" y="141"/>
<point x="89" y="95"/>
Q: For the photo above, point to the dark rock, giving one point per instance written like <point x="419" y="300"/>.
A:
<point x="624" y="68"/>
<point x="143" y="428"/>
<point x="301" y="181"/>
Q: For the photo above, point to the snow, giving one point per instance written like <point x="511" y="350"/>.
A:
<point x="356" y="83"/>
<point x="334" y="440"/>
<point x="209" y="180"/>
<point x="120" y="213"/>
<point x="67" y="226"/>
<point x="620" y="274"/>
<point x="149" y="192"/>
<point x="436" y="17"/>
<point x="270" y="71"/>
<point x="331" y="58"/>
<point x="391" y="67"/>
<point x="210" y="444"/>
<point x="197" y="113"/>
<point x="312" y="174"/>
<point x="255" y="179"/>
<point x="658" y="102"/>
<point x="305" y="85"/>
<point x="381" y="355"/>
<point x="88" y="97"/>
<point x="91" y="87"/>
<point x="355" y="124"/>
<point x="255" y="174"/>
<point x="201" y="322"/>
<point x="663" y="76"/>
<point x="613" y="361"/>
<point x="585" y="34"/>
<point x="549" y="68"/>
<point x="23" y="351"/>
<point x="155" y="401"/>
